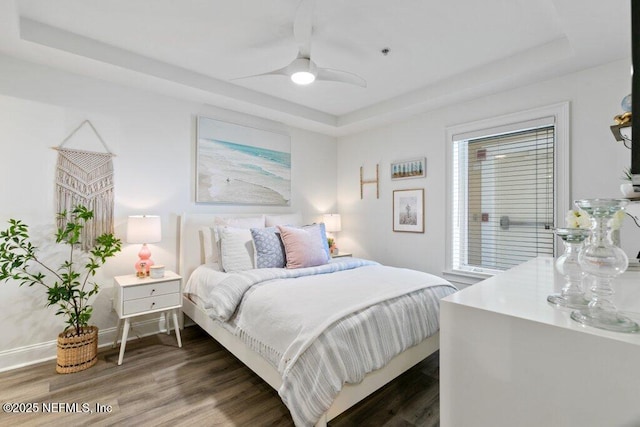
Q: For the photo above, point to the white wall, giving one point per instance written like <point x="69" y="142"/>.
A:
<point x="597" y="161"/>
<point x="153" y="139"/>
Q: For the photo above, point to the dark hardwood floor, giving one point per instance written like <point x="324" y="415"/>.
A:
<point x="199" y="384"/>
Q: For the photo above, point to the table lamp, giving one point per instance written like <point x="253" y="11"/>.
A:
<point x="332" y="224"/>
<point x="144" y="229"/>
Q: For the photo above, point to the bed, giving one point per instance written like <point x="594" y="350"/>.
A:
<point x="239" y="309"/>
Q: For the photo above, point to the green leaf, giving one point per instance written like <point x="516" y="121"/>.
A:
<point x="63" y="286"/>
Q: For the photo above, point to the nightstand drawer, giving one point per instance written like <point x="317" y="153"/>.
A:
<point x="151" y="303"/>
<point x="150" y="290"/>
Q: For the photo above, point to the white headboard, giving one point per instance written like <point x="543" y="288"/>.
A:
<point x="190" y="239"/>
<point x="190" y="251"/>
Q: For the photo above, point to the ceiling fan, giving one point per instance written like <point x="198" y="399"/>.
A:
<point x="302" y="70"/>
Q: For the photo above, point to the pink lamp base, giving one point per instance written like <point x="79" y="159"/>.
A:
<point x="144" y="261"/>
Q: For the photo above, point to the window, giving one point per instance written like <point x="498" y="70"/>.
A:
<point x="504" y="189"/>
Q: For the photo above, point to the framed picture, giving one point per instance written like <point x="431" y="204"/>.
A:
<point x="241" y="165"/>
<point x="408" y="210"/>
<point x="413" y="168"/>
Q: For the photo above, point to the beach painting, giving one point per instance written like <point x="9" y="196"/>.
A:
<point x="241" y="165"/>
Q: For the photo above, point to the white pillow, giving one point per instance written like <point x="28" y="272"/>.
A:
<point x="249" y="222"/>
<point x="236" y="248"/>
<point x="209" y="248"/>
<point x="284" y="219"/>
<point x="210" y="241"/>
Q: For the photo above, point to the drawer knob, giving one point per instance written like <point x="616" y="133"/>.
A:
<point x="152" y="291"/>
<point x="152" y="304"/>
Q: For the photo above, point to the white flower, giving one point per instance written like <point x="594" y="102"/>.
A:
<point x="578" y="219"/>
<point x="616" y="221"/>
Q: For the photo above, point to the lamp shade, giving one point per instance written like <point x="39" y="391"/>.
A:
<point x="332" y="222"/>
<point x="144" y="229"/>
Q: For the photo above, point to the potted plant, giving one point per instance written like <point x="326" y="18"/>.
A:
<point x="68" y="285"/>
<point x="333" y="249"/>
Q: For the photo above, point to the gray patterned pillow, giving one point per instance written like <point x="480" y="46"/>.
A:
<point x="269" y="247"/>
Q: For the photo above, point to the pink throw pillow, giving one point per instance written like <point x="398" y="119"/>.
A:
<point x="303" y="246"/>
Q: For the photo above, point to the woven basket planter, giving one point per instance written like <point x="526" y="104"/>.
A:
<point x="77" y="352"/>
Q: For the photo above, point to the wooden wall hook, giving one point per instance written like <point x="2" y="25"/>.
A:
<point x="369" y="181"/>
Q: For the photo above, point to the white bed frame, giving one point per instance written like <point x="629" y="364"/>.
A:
<point x="191" y="256"/>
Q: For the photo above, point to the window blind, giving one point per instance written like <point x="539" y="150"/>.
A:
<point x="503" y="198"/>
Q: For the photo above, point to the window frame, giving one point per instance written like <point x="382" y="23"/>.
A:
<point x="509" y="122"/>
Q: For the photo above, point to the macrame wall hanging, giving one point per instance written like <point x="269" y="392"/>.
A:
<point x="86" y="178"/>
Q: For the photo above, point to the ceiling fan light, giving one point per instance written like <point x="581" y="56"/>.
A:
<point x="303" y="77"/>
<point x="302" y="71"/>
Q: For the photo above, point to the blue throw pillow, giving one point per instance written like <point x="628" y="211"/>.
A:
<point x="269" y="247"/>
<point x="323" y="235"/>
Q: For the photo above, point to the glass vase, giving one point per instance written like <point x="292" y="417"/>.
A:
<point x="604" y="261"/>
<point x="572" y="294"/>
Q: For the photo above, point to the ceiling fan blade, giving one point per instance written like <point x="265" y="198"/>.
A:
<point x="279" y="72"/>
<point x="328" y="74"/>
<point x="303" y="26"/>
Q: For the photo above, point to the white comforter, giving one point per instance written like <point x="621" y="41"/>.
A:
<point x="281" y="313"/>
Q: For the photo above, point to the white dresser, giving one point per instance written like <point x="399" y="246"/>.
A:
<point x="509" y="358"/>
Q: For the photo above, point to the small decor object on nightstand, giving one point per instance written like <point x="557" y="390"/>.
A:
<point x="137" y="297"/>
<point x="144" y="229"/>
<point x="156" y="271"/>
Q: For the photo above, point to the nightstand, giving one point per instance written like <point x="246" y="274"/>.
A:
<point x="341" y="254"/>
<point x="136" y="296"/>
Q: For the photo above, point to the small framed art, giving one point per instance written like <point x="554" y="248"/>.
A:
<point x="412" y="168"/>
<point x="408" y="210"/>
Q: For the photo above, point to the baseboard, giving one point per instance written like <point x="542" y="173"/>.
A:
<point x="41" y="352"/>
